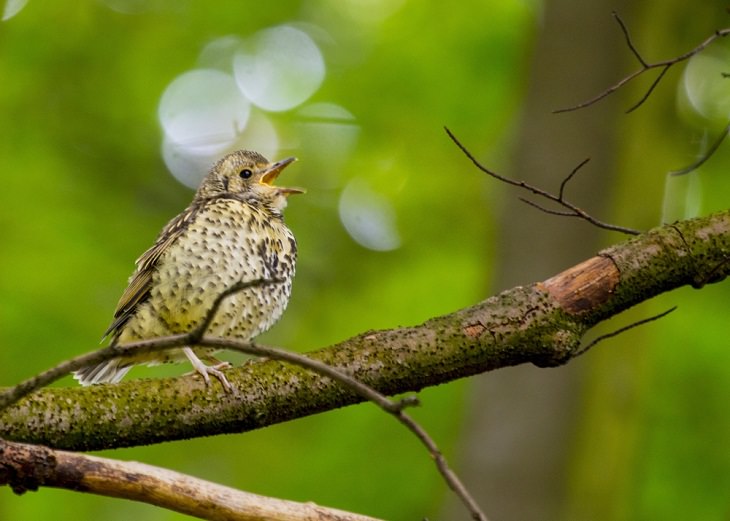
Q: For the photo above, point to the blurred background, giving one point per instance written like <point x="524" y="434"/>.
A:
<point x="109" y="108"/>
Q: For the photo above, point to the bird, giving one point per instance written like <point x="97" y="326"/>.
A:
<point x="232" y="232"/>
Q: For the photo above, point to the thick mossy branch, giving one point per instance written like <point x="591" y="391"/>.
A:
<point x="541" y="324"/>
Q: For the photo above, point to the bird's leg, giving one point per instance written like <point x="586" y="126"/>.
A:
<point x="205" y="370"/>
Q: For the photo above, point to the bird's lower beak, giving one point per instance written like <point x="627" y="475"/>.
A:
<point x="273" y="172"/>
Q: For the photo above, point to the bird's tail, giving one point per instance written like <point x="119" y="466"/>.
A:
<point x="110" y="371"/>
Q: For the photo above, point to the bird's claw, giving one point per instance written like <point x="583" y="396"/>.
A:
<point x="213" y="370"/>
<point x="205" y="370"/>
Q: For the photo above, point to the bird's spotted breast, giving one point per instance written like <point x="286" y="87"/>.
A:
<point x="231" y="232"/>
<point x="228" y="241"/>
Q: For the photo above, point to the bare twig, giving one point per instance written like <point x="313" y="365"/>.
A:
<point x="710" y="152"/>
<point x="197" y="338"/>
<point x="27" y="467"/>
<point x="390" y="406"/>
<point x="26" y="387"/>
<point x="571" y="209"/>
<point x="649" y="91"/>
<point x="612" y="334"/>
<point x="664" y="65"/>
<point x="32" y="384"/>
<point x="570" y="176"/>
<point x="629" y="42"/>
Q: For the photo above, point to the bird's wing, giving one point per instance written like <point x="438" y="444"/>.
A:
<point x="141" y="282"/>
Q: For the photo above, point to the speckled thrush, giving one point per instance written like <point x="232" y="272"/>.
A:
<point x="232" y="231"/>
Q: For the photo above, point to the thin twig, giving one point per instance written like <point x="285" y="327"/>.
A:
<point x="390" y="406"/>
<point x="26" y="387"/>
<point x="559" y="213"/>
<point x="601" y="338"/>
<point x="570" y="176"/>
<point x="629" y="42"/>
<point x="451" y="478"/>
<point x="665" y="65"/>
<point x="572" y="210"/>
<point x="649" y="91"/>
<point x="197" y="338"/>
<point x="710" y="152"/>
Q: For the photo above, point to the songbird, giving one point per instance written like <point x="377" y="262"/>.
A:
<point x="232" y="231"/>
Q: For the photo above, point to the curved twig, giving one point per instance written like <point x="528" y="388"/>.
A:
<point x="196" y="337"/>
<point x="572" y="210"/>
<point x="620" y="330"/>
<point x="707" y="155"/>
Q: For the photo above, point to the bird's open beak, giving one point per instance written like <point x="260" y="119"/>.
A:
<point x="273" y="172"/>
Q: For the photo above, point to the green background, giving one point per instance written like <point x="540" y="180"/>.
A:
<point x="85" y="191"/>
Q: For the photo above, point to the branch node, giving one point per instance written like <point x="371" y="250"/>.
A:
<point x="408" y="401"/>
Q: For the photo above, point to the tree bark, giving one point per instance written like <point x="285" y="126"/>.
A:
<point x="542" y="324"/>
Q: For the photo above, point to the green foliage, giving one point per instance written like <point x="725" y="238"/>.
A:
<point x="86" y="192"/>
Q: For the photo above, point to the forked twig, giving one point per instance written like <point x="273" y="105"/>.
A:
<point x="664" y="65"/>
<point x="571" y="210"/>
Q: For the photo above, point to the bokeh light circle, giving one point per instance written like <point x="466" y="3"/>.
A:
<point x="13" y="7"/>
<point x="279" y="68"/>
<point x="368" y="217"/>
<point x="203" y="107"/>
<point x="187" y="164"/>
<point x="260" y="135"/>
<point x="218" y="53"/>
<point x="706" y="86"/>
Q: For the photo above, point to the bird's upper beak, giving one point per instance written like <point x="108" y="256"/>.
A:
<point x="273" y="171"/>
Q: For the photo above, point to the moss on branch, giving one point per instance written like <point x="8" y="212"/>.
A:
<point x="542" y="323"/>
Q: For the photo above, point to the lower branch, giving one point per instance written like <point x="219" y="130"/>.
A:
<point x="542" y="323"/>
<point x="28" y="467"/>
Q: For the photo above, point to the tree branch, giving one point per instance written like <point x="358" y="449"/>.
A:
<point x="28" y="467"/>
<point x="541" y="324"/>
<point x="571" y="209"/>
<point x="196" y="337"/>
<point x="663" y="65"/>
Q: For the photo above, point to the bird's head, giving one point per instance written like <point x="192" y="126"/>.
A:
<point x="249" y="175"/>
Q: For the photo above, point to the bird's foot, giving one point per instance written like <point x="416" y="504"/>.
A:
<point x="205" y="370"/>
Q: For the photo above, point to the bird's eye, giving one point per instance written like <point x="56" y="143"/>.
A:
<point x="245" y="173"/>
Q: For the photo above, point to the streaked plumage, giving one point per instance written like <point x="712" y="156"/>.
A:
<point x="232" y="231"/>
